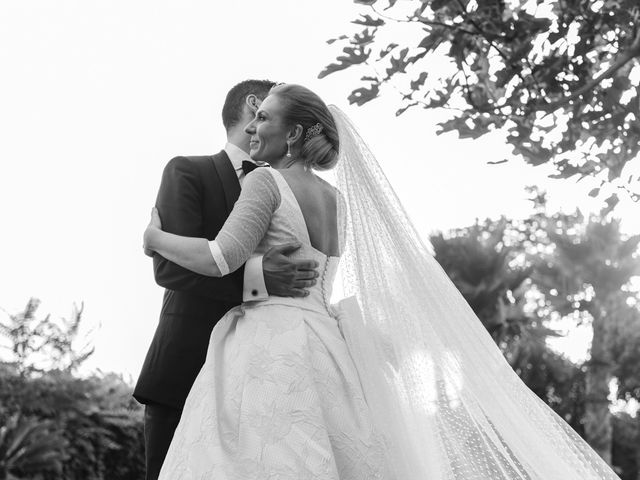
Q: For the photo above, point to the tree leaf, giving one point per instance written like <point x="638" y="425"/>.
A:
<point x="416" y="57"/>
<point x="451" y="124"/>
<point x="418" y="82"/>
<point x="354" y="56"/>
<point x="332" y="68"/>
<point x="420" y="10"/>
<point x="363" y="38"/>
<point x="438" y="4"/>
<point x="333" y="40"/>
<point x="405" y="108"/>
<point x="387" y="50"/>
<point x="368" y="21"/>
<point x="432" y="41"/>
<point x="611" y="203"/>
<point x="399" y="64"/>
<point x="458" y="49"/>
<point x="362" y="95"/>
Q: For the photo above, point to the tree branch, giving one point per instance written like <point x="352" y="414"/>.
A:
<point x="468" y="89"/>
<point x="626" y="57"/>
<point x="483" y="34"/>
<point x="387" y="17"/>
<point x="449" y="26"/>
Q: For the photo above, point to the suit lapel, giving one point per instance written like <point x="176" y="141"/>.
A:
<point x="228" y="178"/>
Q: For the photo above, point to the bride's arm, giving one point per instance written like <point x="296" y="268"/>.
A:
<point x="188" y="252"/>
<point x="237" y="239"/>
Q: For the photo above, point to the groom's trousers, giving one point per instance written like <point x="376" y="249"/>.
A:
<point x="160" y="423"/>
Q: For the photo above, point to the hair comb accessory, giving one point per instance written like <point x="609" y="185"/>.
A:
<point x="313" y="131"/>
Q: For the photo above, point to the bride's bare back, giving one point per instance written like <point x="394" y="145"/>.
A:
<point x="317" y="201"/>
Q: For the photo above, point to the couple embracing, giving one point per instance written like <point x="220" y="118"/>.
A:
<point x="253" y="374"/>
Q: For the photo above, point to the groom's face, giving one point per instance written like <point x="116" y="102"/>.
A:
<point x="268" y="132"/>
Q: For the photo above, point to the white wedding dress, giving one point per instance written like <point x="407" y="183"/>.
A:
<point x="279" y="396"/>
<point x="400" y="381"/>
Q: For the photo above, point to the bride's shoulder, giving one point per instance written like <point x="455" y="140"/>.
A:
<point x="261" y="178"/>
<point x="328" y="188"/>
<point x="263" y="174"/>
<point x="323" y="182"/>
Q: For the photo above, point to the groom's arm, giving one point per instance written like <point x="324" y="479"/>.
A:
<point x="180" y="206"/>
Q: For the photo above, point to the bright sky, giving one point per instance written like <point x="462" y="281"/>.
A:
<point x="95" y="98"/>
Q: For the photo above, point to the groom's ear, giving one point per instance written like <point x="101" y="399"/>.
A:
<point x="253" y="102"/>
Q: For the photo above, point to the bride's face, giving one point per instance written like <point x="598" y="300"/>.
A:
<point x="268" y="132"/>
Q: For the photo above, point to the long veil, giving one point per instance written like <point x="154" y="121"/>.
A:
<point x="445" y="400"/>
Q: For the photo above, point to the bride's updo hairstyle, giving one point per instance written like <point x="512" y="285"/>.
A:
<point x="301" y="106"/>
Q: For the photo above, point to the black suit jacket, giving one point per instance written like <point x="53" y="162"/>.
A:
<point x="195" y="198"/>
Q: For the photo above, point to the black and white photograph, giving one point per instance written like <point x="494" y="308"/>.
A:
<point x="301" y="240"/>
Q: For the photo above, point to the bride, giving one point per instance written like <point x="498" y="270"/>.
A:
<point x="399" y="381"/>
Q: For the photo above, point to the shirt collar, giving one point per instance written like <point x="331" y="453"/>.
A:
<point x="237" y="155"/>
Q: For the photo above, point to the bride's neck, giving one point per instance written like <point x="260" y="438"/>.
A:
<point x="288" y="163"/>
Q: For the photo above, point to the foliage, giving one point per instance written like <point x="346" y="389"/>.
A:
<point x="626" y="438"/>
<point x="585" y="273"/>
<point x="477" y="261"/>
<point x="95" y="418"/>
<point x="561" y="77"/>
<point x="486" y="269"/>
<point x="520" y="275"/>
<point x="37" y="345"/>
<point x="27" y="447"/>
<point x="625" y="351"/>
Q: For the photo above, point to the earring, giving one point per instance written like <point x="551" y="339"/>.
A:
<point x="288" y="150"/>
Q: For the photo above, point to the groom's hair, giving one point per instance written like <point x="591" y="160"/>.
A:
<point x="232" y="109"/>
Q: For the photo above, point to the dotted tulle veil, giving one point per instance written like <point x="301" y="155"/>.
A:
<point x="445" y="400"/>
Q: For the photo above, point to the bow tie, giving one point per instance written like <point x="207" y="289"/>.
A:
<point x="248" y="166"/>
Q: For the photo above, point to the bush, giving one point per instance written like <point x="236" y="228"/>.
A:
<point x="77" y="428"/>
<point x="96" y="420"/>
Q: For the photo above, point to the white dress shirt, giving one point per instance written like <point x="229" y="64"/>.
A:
<point x="254" y="287"/>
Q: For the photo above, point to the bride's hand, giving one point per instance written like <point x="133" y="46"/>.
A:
<point x="155" y="224"/>
<point x="155" y="221"/>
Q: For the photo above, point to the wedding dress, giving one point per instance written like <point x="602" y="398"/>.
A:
<point x="399" y="381"/>
<point x="278" y="396"/>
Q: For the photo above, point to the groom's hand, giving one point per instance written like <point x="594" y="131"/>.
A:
<point x="285" y="277"/>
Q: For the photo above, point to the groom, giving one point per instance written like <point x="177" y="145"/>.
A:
<point x="196" y="196"/>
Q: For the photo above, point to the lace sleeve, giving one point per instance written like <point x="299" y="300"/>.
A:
<point x="248" y="221"/>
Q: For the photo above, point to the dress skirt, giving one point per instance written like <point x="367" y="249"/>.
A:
<point x="279" y="397"/>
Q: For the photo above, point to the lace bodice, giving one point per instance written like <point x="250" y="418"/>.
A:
<point x="268" y="214"/>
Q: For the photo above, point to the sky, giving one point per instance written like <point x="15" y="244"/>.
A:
<point x="96" y="97"/>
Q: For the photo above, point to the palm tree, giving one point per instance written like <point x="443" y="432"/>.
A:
<point x="487" y="264"/>
<point x="479" y="263"/>
<point x="584" y="275"/>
